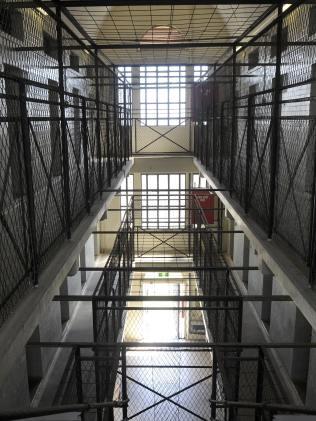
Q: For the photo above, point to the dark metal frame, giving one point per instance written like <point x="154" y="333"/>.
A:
<point x="79" y="193"/>
<point x="255" y="142"/>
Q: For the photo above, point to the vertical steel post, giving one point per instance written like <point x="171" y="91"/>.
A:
<point x="96" y="354"/>
<point x="63" y="123"/>
<point x="259" y="390"/>
<point x="84" y="132"/>
<point x="78" y="375"/>
<point x="214" y="119"/>
<point x="108" y="147"/>
<point x="234" y="124"/>
<point x="124" y="383"/>
<point x="312" y="233"/>
<point x="124" y="128"/>
<point x="249" y="150"/>
<point x="214" y="386"/>
<point x="115" y="124"/>
<point x="98" y="123"/>
<point x="275" y="122"/>
<point x="220" y="177"/>
<point x="27" y="157"/>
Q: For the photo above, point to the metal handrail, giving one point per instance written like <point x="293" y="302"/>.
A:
<point x="38" y="412"/>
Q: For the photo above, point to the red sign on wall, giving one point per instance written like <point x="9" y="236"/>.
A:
<point x="204" y="200"/>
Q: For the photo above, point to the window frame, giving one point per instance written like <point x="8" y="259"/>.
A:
<point x="127" y="194"/>
<point x="168" y="200"/>
<point x="158" y="86"/>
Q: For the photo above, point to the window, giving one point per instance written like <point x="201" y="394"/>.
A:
<point x="14" y="132"/>
<point x="160" y="208"/>
<point x="312" y="21"/>
<point x="50" y="46"/>
<point x="53" y="99"/>
<point x="200" y="73"/>
<point x="11" y="22"/>
<point x="162" y="95"/>
<point x="283" y="42"/>
<point x="253" y="59"/>
<point x="125" y="73"/>
<point x="74" y="62"/>
<point x="128" y="186"/>
<point x="199" y="182"/>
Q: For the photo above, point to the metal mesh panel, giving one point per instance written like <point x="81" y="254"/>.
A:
<point x="270" y="92"/>
<point x="48" y="149"/>
<point x="168" y="383"/>
<point x="15" y="256"/>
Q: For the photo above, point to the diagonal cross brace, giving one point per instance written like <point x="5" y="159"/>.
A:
<point x="163" y="135"/>
<point x="167" y="398"/>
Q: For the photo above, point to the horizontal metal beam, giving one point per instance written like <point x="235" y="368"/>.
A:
<point x="176" y="346"/>
<point x="163" y="190"/>
<point x="170" y="45"/>
<point x="162" y="231"/>
<point x="176" y="298"/>
<point x="104" y="3"/>
<point x="51" y="410"/>
<point x="166" y="208"/>
<point x="125" y="308"/>
<point x="167" y="269"/>
<point x="273" y="408"/>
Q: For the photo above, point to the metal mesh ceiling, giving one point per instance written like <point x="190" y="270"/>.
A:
<point x="192" y="24"/>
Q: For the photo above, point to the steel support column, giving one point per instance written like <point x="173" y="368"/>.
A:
<point x="234" y="125"/>
<point x="275" y="121"/>
<point x="250" y="112"/>
<point x="84" y="133"/>
<point x="27" y="155"/>
<point x="97" y="126"/>
<point x="63" y="123"/>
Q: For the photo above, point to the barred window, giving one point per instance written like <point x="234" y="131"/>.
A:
<point x="200" y="73"/>
<point x="125" y="74"/>
<point x="162" y="95"/>
<point x="198" y="182"/>
<point x="160" y="208"/>
<point x="127" y="186"/>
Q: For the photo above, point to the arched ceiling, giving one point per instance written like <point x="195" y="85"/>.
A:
<point x="120" y="26"/>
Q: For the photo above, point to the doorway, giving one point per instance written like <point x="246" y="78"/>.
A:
<point x="166" y="324"/>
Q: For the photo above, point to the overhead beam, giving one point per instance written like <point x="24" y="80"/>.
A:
<point x="175" y="45"/>
<point x="195" y="298"/>
<point x="91" y="3"/>
<point x="166" y="268"/>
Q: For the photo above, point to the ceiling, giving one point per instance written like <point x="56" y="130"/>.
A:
<point x="121" y="26"/>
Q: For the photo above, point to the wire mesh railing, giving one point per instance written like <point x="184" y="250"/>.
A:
<point x="50" y="174"/>
<point x="181" y="380"/>
<point x="255" y="132"/>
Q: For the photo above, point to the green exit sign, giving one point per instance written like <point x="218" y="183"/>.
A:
<point x="163" y="274"/>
